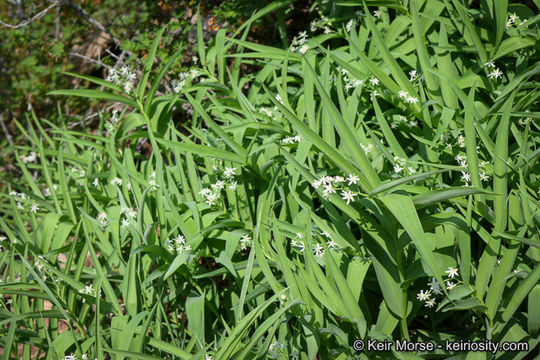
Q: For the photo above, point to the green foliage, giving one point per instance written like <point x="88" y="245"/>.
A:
<point x="378" y="179"/>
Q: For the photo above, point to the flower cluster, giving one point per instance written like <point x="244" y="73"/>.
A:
<point x="178" y="244"/>
<point x="350" y="82"/>
<point x="435" y="287"/>
<point x="404" y="95"/>
<point x="350" y="25"/>
<point x="245" y="241"/>
<point x="183" y="79"/>
<point x="291" y="139"/>
<point x="321" y="23"/>
<point x="513" y="20"/>
<point x="125" y="78"/>
<point x="212" y="194"/>
<point x="495" y="72"/>
<point x="129" y="213"/>
<point x="31" y="157"/>
<point x="400" y="165"/>
<point x="299" y="43"/>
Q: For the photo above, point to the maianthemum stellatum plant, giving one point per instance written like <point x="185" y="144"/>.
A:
<point x="378" y="179"/>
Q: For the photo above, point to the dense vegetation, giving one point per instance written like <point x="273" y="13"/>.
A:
<point x="376" y="176"/>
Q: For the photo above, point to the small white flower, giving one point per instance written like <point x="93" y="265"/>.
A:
<point x="411" y="170"/>
<point x="102" y="218"/>
<point x="367" y="149"/>
<point x="430" y="303"/>
<point x="413" y="75"/>
<point x="318" y="250"/>
<point x="116" y="181"/>
<point x="450" y="285"/>
<point x="349" y="25"/>
<point x="465" y="176"/>
<point x="374" y="81"/>
<point x="327" y="30"/>
<point x="279" y="99"/>
<point x="490" y="63"/>
<point x="348" y="195"/>
<point x="208" y="357"/>
<point x="125" y="222"/>
<point x="331" y="244"/>
<point x="484" y="176"/>
<point x="95" y="182"/>
<point x="423" y="295"/>
<point x="435" y="287"/>
<point x="303" y="49"/>
<point x="233" y="186"/>
<point x="84" y="357"/>
<point x="245" y="241"/>
<point x="377" y="13"/>
<point x="412" y="99"/>
<point x="34" y="208"/>
<point x="452" y="272"/>
<point x="353" y="179"/>
<point x="211" y="199"/>
<point x="218" y="185"/>
<point x="397" y="168"/>
<point x="403" y="94"/>
<point x="70" y="357"/>
<point x="495" y="74"/>
<point x="299" y="235"/>
<point x="229" y="172"/>
<point x="461" y="141"/>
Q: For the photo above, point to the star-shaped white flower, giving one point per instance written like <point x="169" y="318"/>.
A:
<point x="403" y="94"/>
<point x="34" y="208"/>
<point x="450" y="285"/>
<point x="452" y="272"/>
<point x="495" y="74"/>
<point x="430" y="303"/>
<point x="348" y="195"/>
<point x="229" y="172"/>
<point x="374" y="81"/>
<point x="423" y="295"/>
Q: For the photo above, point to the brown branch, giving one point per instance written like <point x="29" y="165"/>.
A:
<point x="91" y="20"/>
<point x="33" y="18"/>
<point x="5" y="129"/>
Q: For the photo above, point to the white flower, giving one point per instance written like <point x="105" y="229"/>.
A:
<point x="208" y="357"/>
<point x="318" y="250"/>
<point x="353" y="179"/>
<point x="34" y="208"/>
<point x="397" y="168"/>
<point x="465" y="176"/>
<point x="245" y="241"/>
<point x="303" y="49"/>
<point x="374" y="81"/>
<point x="229" y="172"/>
<point x="412" y="99"/>
<point x="348" y="195"/>
<point x="233" y="186"/>
<point x="490" y="63"/>
<point x="218" y="185"/>
<point x="411" y="170"/>
<point x="430" y="303"/>
<point x="413" y="123"/>
<point x="435" y="287"/>
<point x="367" y="149"/>
<point x="496" y="73"/>
<point x="452" y="272"/>
<point x="279" y="99"/>
<point x="331" y="244"/>
<point x="299" y="235"/>
<point x="102" y="218"/>
<point x="327" y="30"/>
<point x="349" y="25"/>
<point x="116" y="181"/>
<point x="88" y="289"/>
<point x="70" y="357"/>
<point x="95" y="182"/>
<point x="125" y="222"/>
<point x="450" y="285"/>
<point x="423" y="295"/>
<point x="413" y="75"/>
<point x="484" y="176"/>
<point x="461" y="141"/>
<point x="377" y="13"/>
<point x="403" y="94"/>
